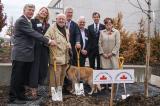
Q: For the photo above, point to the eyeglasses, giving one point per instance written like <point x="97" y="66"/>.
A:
<point x="108" y="23"/>
<point x="82" y="22"/>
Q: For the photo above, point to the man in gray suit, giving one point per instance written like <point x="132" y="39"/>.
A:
<point x="23" y="54"/>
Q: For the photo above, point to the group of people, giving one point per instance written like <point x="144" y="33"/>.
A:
<point x="37" y="45"/>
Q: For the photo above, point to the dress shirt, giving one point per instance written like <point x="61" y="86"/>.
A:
<point x="68" y="24"/>
<point x="83" y="37"/>
<point x="97" y="26"/>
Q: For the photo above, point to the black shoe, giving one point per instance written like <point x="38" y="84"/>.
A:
<point x="25" y="98"/>
<point x="16" y="101"/>
<point x="31" y="98"/>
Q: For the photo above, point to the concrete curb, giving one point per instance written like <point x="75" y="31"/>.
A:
<point x="5" y="73"/>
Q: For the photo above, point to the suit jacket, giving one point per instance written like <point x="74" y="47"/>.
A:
<point x="93" y="37"/>
<point x="74" y="33"/>
<point x="24" y="40"/>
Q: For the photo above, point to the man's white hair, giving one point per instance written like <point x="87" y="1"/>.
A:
<point x="61" y="14"/>
<point x="81" y="18"/>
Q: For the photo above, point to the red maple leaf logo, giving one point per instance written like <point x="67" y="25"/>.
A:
<point x="103" y="77"/>
<point x="123" y="77"/>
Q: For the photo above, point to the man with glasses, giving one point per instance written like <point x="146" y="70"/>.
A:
<point x="84" y="40"/>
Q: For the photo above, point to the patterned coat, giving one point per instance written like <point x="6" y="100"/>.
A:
<point x="109" y="43"/>
<point x="59" y="52"/>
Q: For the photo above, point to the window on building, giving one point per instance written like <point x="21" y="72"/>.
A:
<point x="58" y="5"/>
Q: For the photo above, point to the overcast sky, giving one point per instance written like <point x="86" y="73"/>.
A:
<point x="15" y="7"/>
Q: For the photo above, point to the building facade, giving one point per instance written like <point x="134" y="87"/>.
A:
<point x="107" y="8"/>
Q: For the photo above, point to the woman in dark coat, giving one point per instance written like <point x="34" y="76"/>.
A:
<point x="40" y="65"/>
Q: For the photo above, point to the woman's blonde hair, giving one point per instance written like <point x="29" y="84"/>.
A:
<point x="38" y="16"/>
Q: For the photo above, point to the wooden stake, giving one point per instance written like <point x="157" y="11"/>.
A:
<point x="112" y="95"/>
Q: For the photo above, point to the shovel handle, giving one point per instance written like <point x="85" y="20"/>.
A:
<point x="53" y="52"/>
<point x="78" y="51"/>
<point x="121" y="62"/>
<point x="55" y="66"/>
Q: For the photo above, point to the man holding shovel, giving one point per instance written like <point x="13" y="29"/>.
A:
<point x="59" y="56"/>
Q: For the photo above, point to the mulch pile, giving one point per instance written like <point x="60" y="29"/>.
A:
<point x="136" y="99"/>
<point x="72" y="100"/>
<point x="140" y="100"/>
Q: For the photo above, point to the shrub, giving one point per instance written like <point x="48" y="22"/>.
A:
<point x="133" y="45"/>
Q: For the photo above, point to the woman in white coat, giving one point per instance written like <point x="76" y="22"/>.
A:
<point x="109" y="45"/>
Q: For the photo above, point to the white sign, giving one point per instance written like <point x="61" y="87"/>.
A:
<point x="113" y="76"/>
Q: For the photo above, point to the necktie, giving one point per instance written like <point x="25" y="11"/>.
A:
<point x="30" y="24"/>
<point x="96" y="29"/>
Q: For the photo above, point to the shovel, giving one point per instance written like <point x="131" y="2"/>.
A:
<point x="57" y="90"/>
<point x="79" y="88"/>
<point x="121" y="61"/>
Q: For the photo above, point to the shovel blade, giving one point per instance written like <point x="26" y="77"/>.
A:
<point x="79" y="89"/>
<point x="56" y="93"/>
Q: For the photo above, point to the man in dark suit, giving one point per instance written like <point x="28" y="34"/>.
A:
<point x="93" y="38"/>
<point x="74" y="36"/>
<point x="23" y="54"/>
<point x="84" y="40"/>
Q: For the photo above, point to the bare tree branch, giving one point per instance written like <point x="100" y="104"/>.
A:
<point x="146" y="1"/>
<point x="135" y="5"/>
<point x="141" y="7"/>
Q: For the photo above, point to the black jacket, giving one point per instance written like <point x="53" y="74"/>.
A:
<point x="74" y="33"/>
<point x="93" y="37"/>
<point x="38" y="26"/>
